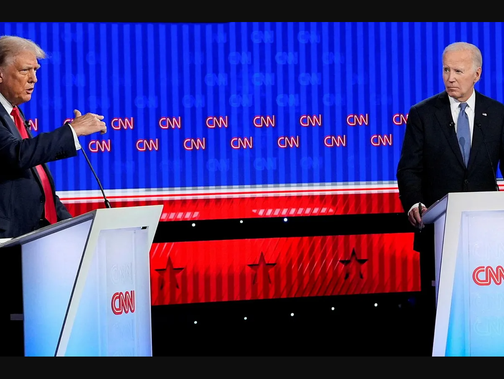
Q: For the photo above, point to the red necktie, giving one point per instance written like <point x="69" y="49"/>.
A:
<point x="50" y="209"/>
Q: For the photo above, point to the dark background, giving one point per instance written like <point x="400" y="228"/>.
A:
<point x="389" y="324"/>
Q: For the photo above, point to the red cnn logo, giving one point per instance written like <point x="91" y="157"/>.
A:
<point x="483" y="276"/>
<point x="123" y="302"/>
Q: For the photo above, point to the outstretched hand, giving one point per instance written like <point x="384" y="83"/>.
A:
<point x="88" y="124"/>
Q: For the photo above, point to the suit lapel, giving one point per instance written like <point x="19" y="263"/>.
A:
<point x="447" y="125"/>
<point x="481" y="122"/>
<point x="8" y="122"/>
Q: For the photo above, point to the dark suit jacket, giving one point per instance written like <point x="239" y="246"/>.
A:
<point x="21" y="193"/>
<point x="431" y="163"/>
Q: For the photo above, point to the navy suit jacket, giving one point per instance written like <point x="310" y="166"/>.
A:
<point x="431" y="163"/>
<point x="21" y="194"/>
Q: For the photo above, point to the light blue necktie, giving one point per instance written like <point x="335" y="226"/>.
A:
<point x="463" y="133"/>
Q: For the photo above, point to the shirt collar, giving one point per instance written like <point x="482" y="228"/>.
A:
<point x="454" y="104"/>
<point x="8" y="106"/>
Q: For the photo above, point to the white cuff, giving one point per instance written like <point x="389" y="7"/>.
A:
<point x="76" y="139"/>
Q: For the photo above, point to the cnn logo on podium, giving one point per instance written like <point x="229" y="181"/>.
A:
<point x="123" y="302"/>
<point x="484" y="276"/>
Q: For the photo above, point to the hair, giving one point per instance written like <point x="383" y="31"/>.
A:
<point x="461" y="46"/>
<point x="10" y="46"/>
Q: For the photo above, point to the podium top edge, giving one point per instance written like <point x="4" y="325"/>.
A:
<point x="465" y="201"/>
<point x="64" y="224"/>
<point x="49" y="229"/>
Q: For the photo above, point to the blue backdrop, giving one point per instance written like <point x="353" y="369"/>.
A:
<point x="242" y="103"/>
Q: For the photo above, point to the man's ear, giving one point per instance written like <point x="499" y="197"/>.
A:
<point x="477" y="75"/>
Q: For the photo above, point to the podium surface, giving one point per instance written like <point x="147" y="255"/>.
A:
<point x="85" y="284"/>
<point x="469" y="252"/>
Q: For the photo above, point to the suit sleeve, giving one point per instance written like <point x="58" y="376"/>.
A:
<point x="410" y="167"/>
<point x="61" y="211"/>
<point x="21" y="154"/>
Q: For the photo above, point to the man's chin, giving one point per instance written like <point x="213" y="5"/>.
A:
<point x="454" y="94"/>
<point x="26" y="98"/>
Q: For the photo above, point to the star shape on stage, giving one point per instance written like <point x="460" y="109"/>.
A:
<point x="168" y="274"/>
<point x="261" y="268"/>
<point x="350" y="263"/>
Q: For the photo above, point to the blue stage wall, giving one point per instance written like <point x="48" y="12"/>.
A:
<point x="239" y="104"/>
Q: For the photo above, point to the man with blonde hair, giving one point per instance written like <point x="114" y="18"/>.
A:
<point x="28" y="200"/>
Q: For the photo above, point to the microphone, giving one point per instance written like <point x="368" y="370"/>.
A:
<point x="488" y="155"/>
<point x="27" y="124"/>
<point x="107" y="204"/>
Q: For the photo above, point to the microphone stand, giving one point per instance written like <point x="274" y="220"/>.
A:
<point x="107" y="203"/>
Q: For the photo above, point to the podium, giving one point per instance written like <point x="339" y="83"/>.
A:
<point x="80" y="287"/>
<point x="469" y="260"/>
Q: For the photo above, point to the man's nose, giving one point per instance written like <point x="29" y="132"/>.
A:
<point x="33" y="77"/>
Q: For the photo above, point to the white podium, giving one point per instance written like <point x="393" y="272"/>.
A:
<point x="81" y="287"/>
<point x="469" y="260"/>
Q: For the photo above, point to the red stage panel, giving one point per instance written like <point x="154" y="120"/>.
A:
<point x="251" y="207"/>
<point x="267" y="268"/>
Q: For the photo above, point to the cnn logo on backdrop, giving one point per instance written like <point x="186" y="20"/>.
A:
<point x="123" y="302"/>
<point x="485" y="275"/>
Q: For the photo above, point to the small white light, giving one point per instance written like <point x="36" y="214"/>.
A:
<point x="292" y="314"/>
<point x="241" y="221"/>
<point x="286" y="219"/>
<point x="332" y="308"/>
<point x="375" y="304"/>
<point x="193" y="224"/>
<point x="245" y="318"/>
<point x="195" y="322"/>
